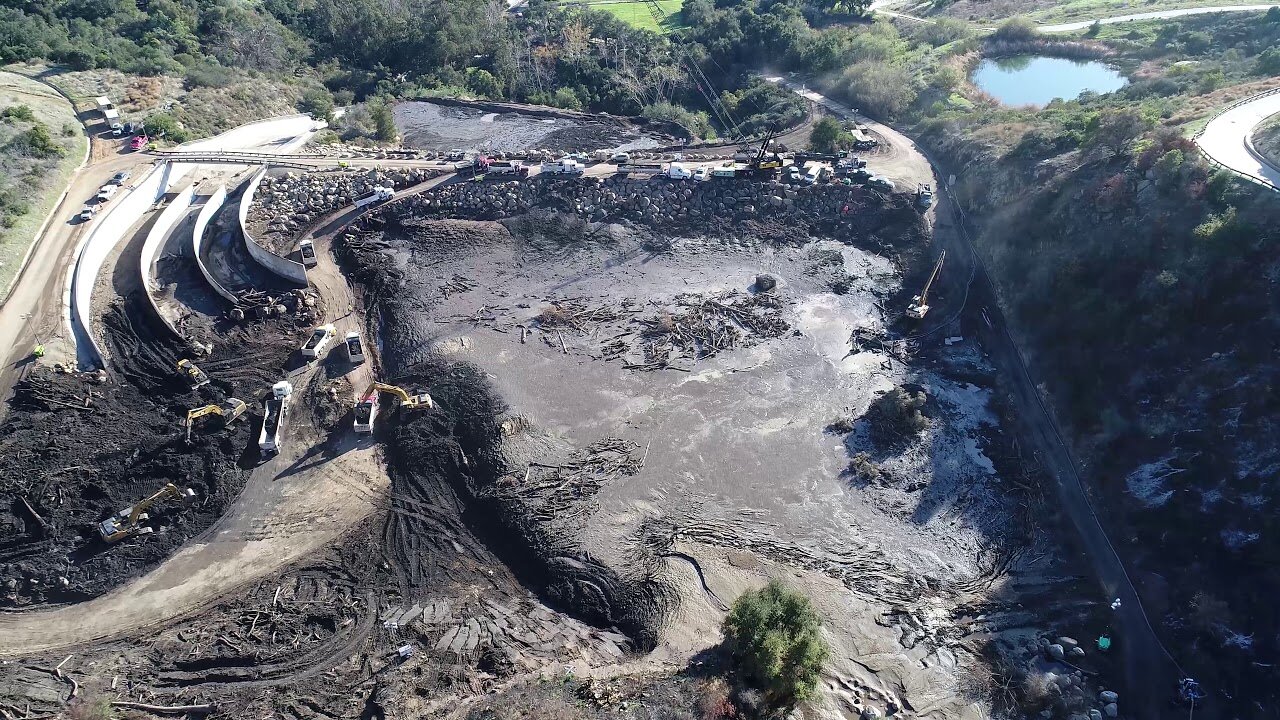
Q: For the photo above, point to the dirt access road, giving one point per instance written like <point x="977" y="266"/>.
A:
<point x="294" y="504"/>
<point x="1151" y="673"/>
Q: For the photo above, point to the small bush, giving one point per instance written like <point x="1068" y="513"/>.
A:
<point x="1016" y="29"/>
<point x="895" y="417"/>
<point x="714" y="702"/>
<point x="773" y="636"/>
<point x="208" y="74"/>
<point x="18" y="112"/>
<point x="36" y="142"/>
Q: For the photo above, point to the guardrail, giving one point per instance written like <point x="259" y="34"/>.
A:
<point x="1248" y="141"/>
<point x="234" y="158"/>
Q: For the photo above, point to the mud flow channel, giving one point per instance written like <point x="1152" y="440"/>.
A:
<point x="428" y="126"/>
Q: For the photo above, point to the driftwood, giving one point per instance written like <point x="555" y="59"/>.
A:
<point x="164" y="709"/>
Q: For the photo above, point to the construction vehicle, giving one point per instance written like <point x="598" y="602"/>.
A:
<point x="485" y="165"/>
<point x="355" y="349"/>
<point x="920" y="303"/>
<point x="366" y="408"/>
<point x="766" y="163"/>
<point x="724" y="170"/>
<point x="378" y="194"/>
<point x="639" y="168"/>
<point x="307" y="249"/>
<point x="318" y="339"/>
<point x="229" y="410"/>
<point x="276" y="408"/>
<point x="127" y="522"/>
<point x="563" y="166"/>
<point x="193" y="374"/>
<point x="924" y="196"/>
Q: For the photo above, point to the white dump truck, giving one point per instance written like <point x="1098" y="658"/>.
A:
<point x="276" y="409"/>
<point x="376" y="195"/>
<point x="355" y="348"/>
<point x="307" y="250"/>
<point x="318" y="339"/>
<point x="365" y="411"/>
<point x="563" y="166"/>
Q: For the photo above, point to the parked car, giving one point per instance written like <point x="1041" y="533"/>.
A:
<point x="307" y="250"/>
<point x="87" y="213"/>
<point x="620" y="158"/>
<point x="701" y="174"/>
<point x="119" y="178"/>
<point x="106" y="193"/>
<point x="455" y="155"/>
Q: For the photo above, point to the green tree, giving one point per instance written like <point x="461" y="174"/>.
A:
<point x="384" y="122"/>
<point x="1116" y="129"/>
<point x="773" y="637"/>
<point x="1268" y="62"/>
<point x="168" y="126"/>
<point x="828" y="136"/>
<point x="1016" y="29"/>
<point x="318" y="104"/>
<point x="482" y="82"/>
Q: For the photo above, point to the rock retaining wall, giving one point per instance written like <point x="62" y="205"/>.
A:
<point x="683" y="204"/>
<point x="285" y="204"/>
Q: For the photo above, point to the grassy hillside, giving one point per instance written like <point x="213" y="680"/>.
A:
<point x="635" y="13"/>
<point x="33" y="173"/>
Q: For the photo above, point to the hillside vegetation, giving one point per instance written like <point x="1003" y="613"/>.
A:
<point x="41" y="143"/>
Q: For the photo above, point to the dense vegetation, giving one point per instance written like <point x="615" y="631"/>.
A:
<point x="774" y="639"/>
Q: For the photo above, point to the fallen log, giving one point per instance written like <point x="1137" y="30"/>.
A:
<point x="164" y="709"/>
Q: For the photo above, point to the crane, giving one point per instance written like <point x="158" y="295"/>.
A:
<point x="230" y="411"/>
<point x="920" y="303"/>
<point x="126" y="522"/>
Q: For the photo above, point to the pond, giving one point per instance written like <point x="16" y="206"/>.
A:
<point x="1035" y="80"/>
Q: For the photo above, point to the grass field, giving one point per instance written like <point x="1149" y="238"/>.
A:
<point x="636" y="13"/>
<point x="40" y="182"/>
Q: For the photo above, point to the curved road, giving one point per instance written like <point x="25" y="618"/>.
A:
<point x="1228" y="138"/>
<point x="1156" y="15"/>
<point x="1150" y="672"/>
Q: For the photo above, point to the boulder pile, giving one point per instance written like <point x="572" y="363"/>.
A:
<point x="662" y="203"/>
<point x="286" y="204"/>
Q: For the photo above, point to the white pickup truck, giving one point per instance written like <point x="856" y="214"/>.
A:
<point x="307" y="250"/>
<point x="355" y="348"/>
<point x="563" y="166"/>
<point x="276" y="409"/>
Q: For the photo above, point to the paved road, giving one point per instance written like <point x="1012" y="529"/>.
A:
<point x="1228" y="138"/>
<point x="1151" y="674"/>
<point x="1157" y="15"/>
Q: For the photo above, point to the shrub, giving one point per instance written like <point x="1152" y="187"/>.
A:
<point x="482" y="82"/>
<point x="318" y="104"/>
<point x="714" y="702"/>
<point x="895" y="417"/>
<point x="1016" y="29"/>
<point x="208" y="74"/>
<point x="384" y="122"/>
<point x="36" y="142"/>
<point x="166" y="126"/>
<point x="18" y="112"/>
<point x="773" y="636"/>
<point x="828" y="136"/>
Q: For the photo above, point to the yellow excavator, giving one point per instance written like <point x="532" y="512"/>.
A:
<point x="193" y="374"/>
<point x="367" y="406"/>
<point x="230" y="410"/>
<point x="126" y="523"/>
<point x="920" y="303"/>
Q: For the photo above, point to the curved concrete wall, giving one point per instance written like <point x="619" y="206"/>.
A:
<point x="290" y="270"/>
<point x="164" y="225"/>
<point x="211" y="208"/>
<point x="108" y="231"/>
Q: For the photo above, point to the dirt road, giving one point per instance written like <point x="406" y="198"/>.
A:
<point x="1158" y="15"/>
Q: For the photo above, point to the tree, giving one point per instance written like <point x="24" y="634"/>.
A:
<point x="828" y="136"/>
<point x="483" y="82"/>
<point x="384" y="123"/>
<point x="1116" y="129"/>
<point x="773" y="637"/>
<point x="1016" y="29"/>
<point x="318" y="104"/>
<point x="1268" y="62"/>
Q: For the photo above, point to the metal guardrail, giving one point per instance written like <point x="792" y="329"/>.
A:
<point x="234" y="158"/>
<point x="1248" y="141"/>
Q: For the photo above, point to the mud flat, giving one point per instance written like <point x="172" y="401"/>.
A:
<point x="665" y="422"/>
<point x="428" y="126"/>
